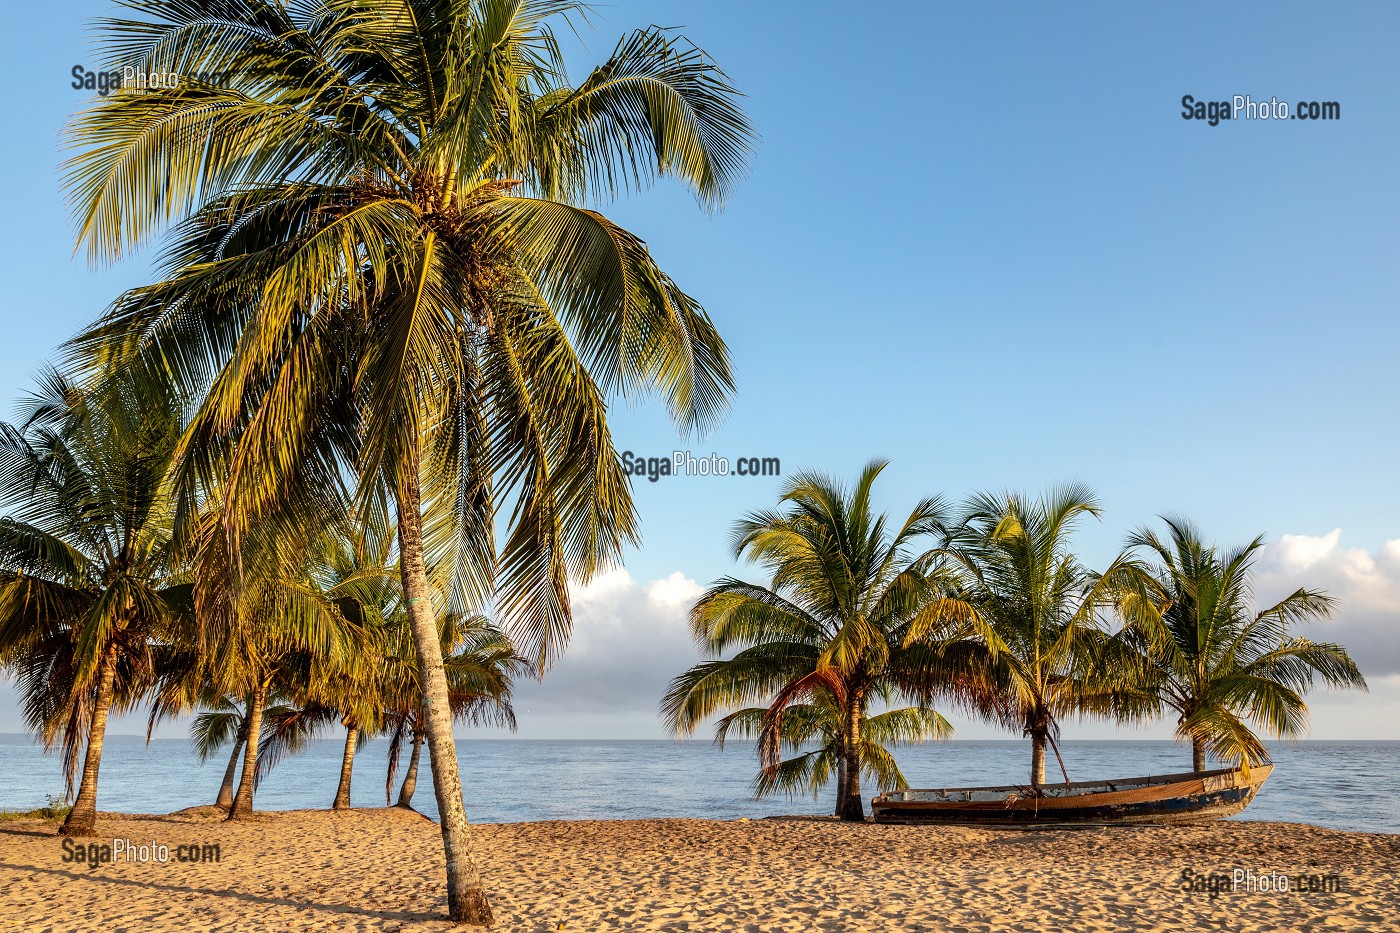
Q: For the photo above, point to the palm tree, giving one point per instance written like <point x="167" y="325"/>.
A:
<point x="269" y="625"/>
<point x="1219" y="664"/>
<point x="377" y="693"/>
<point x="812" y="732"/>
<point x="385" y="264"/>
<point x="831" y="628"/>
<point x="213" y="728"/>
<point x="357" y="574"/>
<point x="480" y="663"/>
<point x="1042" y="616"/>
<point x="355" y="738"/>
<point x="285" y="728"/>
<point x="186" y="680"/>
<point x="88" y="584"/>
<point x="290" y="728"/>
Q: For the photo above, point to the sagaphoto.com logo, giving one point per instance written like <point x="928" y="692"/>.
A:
<point x="688" y="463"/>
<point x="129" y="78"/>
<point x="127" y="851"/>
<point x="139" y="80"/>
<point x="1245" y="107"/>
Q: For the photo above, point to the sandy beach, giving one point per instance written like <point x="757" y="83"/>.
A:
<point x="382" y="870"/>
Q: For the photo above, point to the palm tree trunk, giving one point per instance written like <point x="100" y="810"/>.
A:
<point x="82" y="819"/>
<point x="852" y="806"/>
<point x="410" y="778"/>
<point x="1198" y="755"/>
<point x="1037" y="758"/>
<point x="225" y="800"/>
<point x="243" y="802"/>
<point x="347" y="764"/>
<point x="466" y="896"/>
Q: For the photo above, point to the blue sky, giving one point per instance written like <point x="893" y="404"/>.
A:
<point x="983" y="243"/>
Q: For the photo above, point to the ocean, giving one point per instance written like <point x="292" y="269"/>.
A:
<point x="1341" y="785"/>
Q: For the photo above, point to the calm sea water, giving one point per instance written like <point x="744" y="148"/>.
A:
<point x="1342" y="785"/>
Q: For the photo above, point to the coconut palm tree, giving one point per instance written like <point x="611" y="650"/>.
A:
<point x="386" y="263"/>
<point x="831" y="628"/>
<point x="379" y="692"/>
<point x="480" y="663"/>
<point x="268" y="625"/>
<point x="184" y="683"/>
<point x="290" y="729"/>
<point x="356" y="736"/>
<point x="356" y="691"/>
<point x="812" y="733"/>
<point x="1044" y="618"/>
<point x="222" y="722"/>
<point x="357" y="572"/>
<point x="213" y="728"/>
<point x="87" y="582"/>
<point x="1218" y="663"/>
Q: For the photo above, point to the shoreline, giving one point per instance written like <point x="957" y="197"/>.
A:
<point x="381" y="869"/>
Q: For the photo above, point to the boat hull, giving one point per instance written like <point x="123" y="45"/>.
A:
<point x="1169" y="798"/>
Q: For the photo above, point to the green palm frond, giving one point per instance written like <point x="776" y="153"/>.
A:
<point x="212" y="729"/>
<point x="288" y="730"/>
<point x="88" y="574"/>
<point x="376" y="261"/>
<point x="856" y="610"/>
<point x="1221" y="665"/>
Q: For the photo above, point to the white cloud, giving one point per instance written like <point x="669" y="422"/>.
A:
<point x="1366" y="585"/>
<point x="629" y="641"/>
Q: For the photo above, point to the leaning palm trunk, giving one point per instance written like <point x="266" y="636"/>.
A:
<point x="82" y="819"/>
<point x="410" y="778"/>
<point x="1198" y="754"/>
<point x="243" y="802"/>
<point x="466" y="896"/>
<point x="347" y="765"/>
<point x="852" y="807"/>
<point x="225" y="800"/>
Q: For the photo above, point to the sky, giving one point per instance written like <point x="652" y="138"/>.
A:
<point x="982" y="242"/>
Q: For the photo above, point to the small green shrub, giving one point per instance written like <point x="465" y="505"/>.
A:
<point x="54" y="809"/>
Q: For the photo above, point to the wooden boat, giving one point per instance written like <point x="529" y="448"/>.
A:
<point x="1165" y="798"/>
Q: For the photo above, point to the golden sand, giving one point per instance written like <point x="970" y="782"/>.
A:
<point x="382" y="870"/>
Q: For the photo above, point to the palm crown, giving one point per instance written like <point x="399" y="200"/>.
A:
<point x="386" y="259"/>
<point x="91" y="584"/>
<point x="830" y="628"/>
<point x="1219" y="663"/>
<point x="1040" y="614"/>
<point x="812" y="734"/>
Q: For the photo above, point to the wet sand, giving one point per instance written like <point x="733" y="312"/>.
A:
<point x="382" y="870"/>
